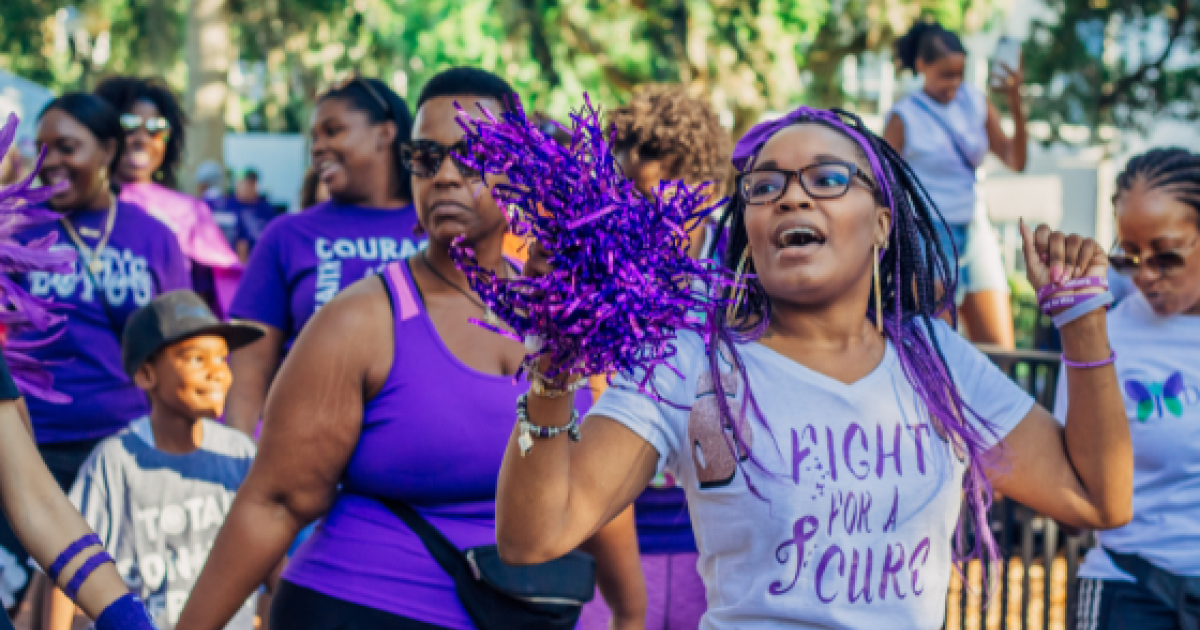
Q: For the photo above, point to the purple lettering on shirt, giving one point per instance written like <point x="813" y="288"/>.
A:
<point x="890" y="525"/>
<point x="922" y="546"/>
<point x="824" y="564"/>
<point x="848" y="440"/>
<point x="882" y="454"/>
<point x="865" y="593"/>
<point x="920" y="451"/>
<point x="802" y="531"/>
<point x="832" y="453"/>
<point x="798" y="455"/>
<point x="893" y="570"/>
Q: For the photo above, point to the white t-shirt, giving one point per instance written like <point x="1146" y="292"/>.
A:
<point x="1158" y="366"/>
<point x="935" y="157"/>
<point x="854" y="526"/>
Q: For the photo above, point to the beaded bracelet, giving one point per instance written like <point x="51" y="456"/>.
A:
<point x="530" y="430"/>
<point x="1089" y="364"/>
<point x="539" y="385"/>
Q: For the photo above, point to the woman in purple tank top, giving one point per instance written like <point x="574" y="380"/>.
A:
<point x="391" y="392"/>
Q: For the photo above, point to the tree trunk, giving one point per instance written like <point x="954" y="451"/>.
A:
<point x="208" y="58"/>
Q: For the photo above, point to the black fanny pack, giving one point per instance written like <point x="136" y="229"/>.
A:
<point x="498" y="596"/>
<point x="1177" y="592"/>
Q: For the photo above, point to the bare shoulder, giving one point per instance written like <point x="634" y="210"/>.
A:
<point x="363" y="308"/>
<point x="354" y="329"/>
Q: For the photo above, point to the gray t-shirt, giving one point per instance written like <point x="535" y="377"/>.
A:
<point x="159" y="513"/>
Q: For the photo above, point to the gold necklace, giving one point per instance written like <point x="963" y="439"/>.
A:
<point x="489" y="317"/>
<point x="92" y="256"/>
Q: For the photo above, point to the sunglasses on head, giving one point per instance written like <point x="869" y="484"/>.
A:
<point x="1165" y="263"/>
<point x="423" y="158"/>
<point x="366" y="86"/>
<point x="155" y="126"/>
<point x="823" y="180"/>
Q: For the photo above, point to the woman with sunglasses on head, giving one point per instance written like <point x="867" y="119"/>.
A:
<point x="155" y="128"/>
<point x="125" y="258"/>
<point x="302" y="261"/>
<point x="829" y="429"/>
<point x="415" y="410"/>
<point x="1138" y="576"/>
<point x="945" y="130"/>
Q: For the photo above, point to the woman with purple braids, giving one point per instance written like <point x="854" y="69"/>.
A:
<point x="829" y="427"/>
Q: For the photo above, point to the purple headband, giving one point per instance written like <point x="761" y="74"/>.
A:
<point x="745" y="151"/>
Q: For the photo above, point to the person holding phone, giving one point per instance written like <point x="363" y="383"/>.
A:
<point x="944" y="131"/>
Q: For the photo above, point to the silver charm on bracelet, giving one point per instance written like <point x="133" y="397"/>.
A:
<point x="528" y="430"/>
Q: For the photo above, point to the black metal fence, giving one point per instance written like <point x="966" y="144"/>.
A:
<point x="1024" y="535"/>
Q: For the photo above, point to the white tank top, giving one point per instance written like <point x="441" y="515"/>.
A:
<point x="936" y="157"/>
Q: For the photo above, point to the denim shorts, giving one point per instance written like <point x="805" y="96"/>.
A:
<point x="980" y="266"/>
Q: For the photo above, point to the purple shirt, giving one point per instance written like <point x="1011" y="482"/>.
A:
<point x="434" y="437"/>
<point x="303" y="260"/>
<point x="141" y="260"/>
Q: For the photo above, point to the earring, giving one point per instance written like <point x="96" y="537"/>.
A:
<point x="418" y="229"/>
<point x="878" y="294"/>
<point x="739" y="283"/>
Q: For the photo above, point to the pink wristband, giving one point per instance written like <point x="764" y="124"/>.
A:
<point x="1095" y="364"/>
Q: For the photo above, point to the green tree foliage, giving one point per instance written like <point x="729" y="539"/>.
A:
<point x="1115" y="62"/>
<point x="749" y="55"/>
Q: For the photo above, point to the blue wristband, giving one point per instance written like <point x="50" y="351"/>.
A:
<point x="1099" y="300"/>
<point x="127" y="613"/>
<point x="68" y="554"/>
<point x="84" y="572"/>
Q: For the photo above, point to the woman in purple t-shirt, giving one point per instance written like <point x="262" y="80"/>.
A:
<point x="302" y="260"/>
<point x="125" y="258"/>
<point x="392" y="393"/>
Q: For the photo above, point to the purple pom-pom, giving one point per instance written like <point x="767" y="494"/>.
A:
<point x="21" y="312"/>
<point x="623" y="285"/>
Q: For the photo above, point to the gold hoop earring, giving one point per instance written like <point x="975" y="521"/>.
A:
<point x="878" y="294"/>
<point x="738" y="284"/>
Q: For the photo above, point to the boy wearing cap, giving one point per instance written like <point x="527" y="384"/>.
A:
<point x="157" y="493"/>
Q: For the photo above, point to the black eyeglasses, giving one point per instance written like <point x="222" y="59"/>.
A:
<point x="1165" y="263"/>
<point x="365" y="85"/>
<point x="823" y="180"/>
<point x="424" y="158"/>
<point x="155" y="126"/>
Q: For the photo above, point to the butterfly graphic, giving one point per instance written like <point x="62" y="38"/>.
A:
<point x="1152" y="397"/>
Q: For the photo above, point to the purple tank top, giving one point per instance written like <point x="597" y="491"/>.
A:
<point x="433" y="437"/>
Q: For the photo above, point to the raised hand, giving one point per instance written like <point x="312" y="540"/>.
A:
<point x="1054" y="258"/>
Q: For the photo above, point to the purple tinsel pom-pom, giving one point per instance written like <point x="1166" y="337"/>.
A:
<point x="623" y="285"/>
<point x="21" y="312"/>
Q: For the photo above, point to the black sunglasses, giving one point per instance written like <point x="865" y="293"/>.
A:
<point x="823" y="180"/>
<point x="423" y="158"/>
<point x="1165" y="263"/>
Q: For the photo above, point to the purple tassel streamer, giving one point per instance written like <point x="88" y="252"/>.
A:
<point x="21" y="312"/>
<point x="623" y="285"/>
